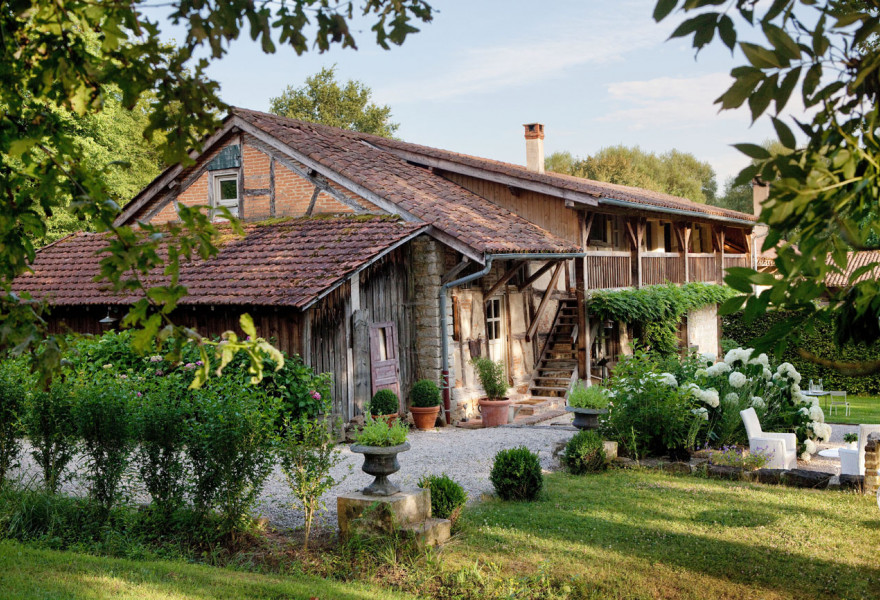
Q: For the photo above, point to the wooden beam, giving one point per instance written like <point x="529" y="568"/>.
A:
<point x="272" y="186"/>
<point x="504" y="279"/>
<point x="312" y="201"/>
<point x="588" y="225"/>
<point x="580" y="296"/>
<point x="454" y="271"/>
<point x="534" y="276"/>
<point x="547" y="293"/>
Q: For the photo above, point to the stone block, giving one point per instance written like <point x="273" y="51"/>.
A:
<point x="377" y="515"/>
<point x="803" y="478"/>
<point x="724" y="472"/>
<point x="773" y="476"/>
<point x="677" y="467"/>
<point x="431" y="532"/>
<point x="610" y="450"/>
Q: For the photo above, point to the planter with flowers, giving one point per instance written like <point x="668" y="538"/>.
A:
<point x="380" y="443"/>
<point x="851" y="440"/>
<point x="495" y="407"/>
<point x="587" y="403"/>
<point x="425" y="403"/>
<point x="384" y="404"/>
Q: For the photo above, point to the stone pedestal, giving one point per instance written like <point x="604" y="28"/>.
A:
<point x="408" y="511"/>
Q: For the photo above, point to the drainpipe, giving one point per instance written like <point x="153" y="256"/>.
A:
<point x="444" y="324"/>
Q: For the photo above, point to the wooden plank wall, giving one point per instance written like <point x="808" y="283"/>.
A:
<point x="329" y="343"/>
<point x="386" y="295"/>
<point x="542" y="210"/>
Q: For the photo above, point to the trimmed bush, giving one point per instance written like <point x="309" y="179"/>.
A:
<point x="11" y="405"/>
<point x="424" y="394"/>
<point x="384" y="402"/>
<point x="102" y="413"/>
<point x="447" y="496"/>
<point x="516" y="474"/>
<point x="50" y="428"/>
<point x="584" y="453"/>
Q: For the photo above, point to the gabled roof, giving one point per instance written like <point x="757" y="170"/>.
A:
<point x="855" y="261"/>
<point x="291" y="263"/>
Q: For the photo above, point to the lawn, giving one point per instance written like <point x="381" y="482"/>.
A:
<point x="638" y="534"/>
<point x="863" y="409"/>
<point x="27" y="573"/>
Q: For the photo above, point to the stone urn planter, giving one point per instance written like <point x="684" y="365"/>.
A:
<point x="380" y="462"/>
<point x="425" y="416"/>
<point x="586" y="418"/>
<point x="494" y="412"/>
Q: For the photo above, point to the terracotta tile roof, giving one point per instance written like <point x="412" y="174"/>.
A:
<point x="597" y="189"/>
<point x="288" y="263"/>
<point x="473" y="220"/>
<point x="855" y="261"/>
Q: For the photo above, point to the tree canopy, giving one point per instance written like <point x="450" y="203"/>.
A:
<point x="677" y="173"/>
<point x="323" y="100"/>
<point x="63" y="58"/>
<point x="824" y="191"/>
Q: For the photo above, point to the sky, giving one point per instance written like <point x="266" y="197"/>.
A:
<point x="596" y="73"/>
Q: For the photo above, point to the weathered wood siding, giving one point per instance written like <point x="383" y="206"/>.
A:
<point x="328" y="343"/>
<point x="542" y="210"/>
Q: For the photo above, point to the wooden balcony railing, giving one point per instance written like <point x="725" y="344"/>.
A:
<point x="662" y="267"/>
<point x="737" y="260"/>
<point x="702" y="267"/>
<point x="608" y="270"/>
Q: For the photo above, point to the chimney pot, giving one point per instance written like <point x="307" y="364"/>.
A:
<point x="534" y="147"/>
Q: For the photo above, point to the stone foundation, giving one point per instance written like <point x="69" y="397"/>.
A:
<point x="407" y="512"/>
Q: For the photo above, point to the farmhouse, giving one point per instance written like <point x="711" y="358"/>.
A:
<point x="384" y="262"/>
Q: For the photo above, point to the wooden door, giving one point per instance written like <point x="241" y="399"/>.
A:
<point x="385" y="358"/>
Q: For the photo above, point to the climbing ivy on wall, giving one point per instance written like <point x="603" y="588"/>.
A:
<point x="656" y="310"/>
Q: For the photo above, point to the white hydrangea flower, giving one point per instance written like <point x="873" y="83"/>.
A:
<point x="757" y="402"/>
<point x="701" y="412"/>
<point x="816" y="413"/>
<point x="708" y="357"/>
<point x="805" y="411"/>
<point x="768" y="374"/>
<point x="731" y="397"/>
<point x="689" y="388"/>
<point x="761" y="359"/>
<point x="669" y="379"/>
<point x="718" y="369"/>
<point x="795" y="388"/>
<point x="806" y="456"/>
<point x="700" y="373"/>
<point x="710" y="397"/>
<point x="738" y="354"/>
<point x="810" y="446"/>
<point x="788" y="371"/>
<point x="737" y="379"/>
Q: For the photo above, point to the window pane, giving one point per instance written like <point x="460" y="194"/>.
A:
<point x="228" y="189"/>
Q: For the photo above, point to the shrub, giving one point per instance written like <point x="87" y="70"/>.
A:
<point x="11" y="406"/>
<point x="230" y="448"/>
<point x="377" y="432"/>
<point x="424" y="394"/>
<point x="447" y="496"/>
<point x="492" y="377"/>
<point x="307" y="452"/>
<point x="49" y="426"/>
<point x="160" y="428"/>
<point x="732" y="457"/>
<point x="102" y="413"/>
<point x="516" y="474"/>
<point x="384" y="402"/>
<point x="583" y="396"/>
<point x="584" y="453"/>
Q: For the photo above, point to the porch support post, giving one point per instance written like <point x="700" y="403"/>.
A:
<point x="680" y="229"/>
<point x="583" y="334"/>
<point x="549" y="292"/>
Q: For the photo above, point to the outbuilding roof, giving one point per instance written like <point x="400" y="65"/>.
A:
<point x="290" y="263"/>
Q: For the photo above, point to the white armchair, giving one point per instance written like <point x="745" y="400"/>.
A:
<point x="852" y="462"/>
<point x="782" y="447"/>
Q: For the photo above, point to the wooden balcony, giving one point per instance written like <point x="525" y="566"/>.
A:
<point x="662" y="267"/>
<point x="608" y="270"/>
<point x="702" y="267"/>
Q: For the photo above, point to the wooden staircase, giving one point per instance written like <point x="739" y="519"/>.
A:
<point x="557" y="366"/>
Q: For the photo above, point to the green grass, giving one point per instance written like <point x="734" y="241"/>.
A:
<point x="27" y="573"/>
<point x="863" y="409"/>
<point x="639" y="534"/>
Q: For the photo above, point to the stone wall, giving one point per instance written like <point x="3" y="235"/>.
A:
<point x="426" y="273"/>
<point x="702" y="329"/>
<point x="872" y="464"/>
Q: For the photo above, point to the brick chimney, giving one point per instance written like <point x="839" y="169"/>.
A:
<point x="760" y="192"/>
<point x="535" y="147"/>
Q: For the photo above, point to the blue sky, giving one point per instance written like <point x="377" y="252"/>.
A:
<point x="596" y="73"/>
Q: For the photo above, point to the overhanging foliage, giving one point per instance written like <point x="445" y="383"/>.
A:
<point x="657" y="303"/>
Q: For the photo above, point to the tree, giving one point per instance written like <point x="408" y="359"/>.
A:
<point x="50" y="66"/>
<point x="673" y="172"/>
<point x="824" y="191"/>
<point x="323" y="100"/>
<point x="736" y="196"/>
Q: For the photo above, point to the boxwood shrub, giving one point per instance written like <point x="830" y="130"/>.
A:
<point x="516" y="474"/>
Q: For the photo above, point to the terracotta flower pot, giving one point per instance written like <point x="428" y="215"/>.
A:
<point x="390" y="419"/>
<point x="494" y="412"/>
<point x="425" y="416"/>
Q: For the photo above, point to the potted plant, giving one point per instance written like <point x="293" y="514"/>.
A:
<point x="587" y="403"/>
<point x="425" y="403"/>
<point x="851" y="440"/>
<point x="494" y="408"/>
<point x="385" y="404"/>
<point x="380" y="443"/>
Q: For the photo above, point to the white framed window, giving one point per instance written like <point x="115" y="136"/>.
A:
<point x="493" y="319"/>
<point x="225" y="190"/>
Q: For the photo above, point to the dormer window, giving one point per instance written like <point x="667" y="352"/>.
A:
<point x="226" y="192"/>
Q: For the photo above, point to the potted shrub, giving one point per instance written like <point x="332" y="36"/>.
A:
<point x="425" y="403"/>
<point x="587" y="403"/>
<point x="380" y="443"/>
<point x="385" y="404"/>
<point x="494" y="408"/>
<point x="851" y="440"/>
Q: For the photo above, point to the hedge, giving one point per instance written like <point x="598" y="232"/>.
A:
<point x="820" y="341"/>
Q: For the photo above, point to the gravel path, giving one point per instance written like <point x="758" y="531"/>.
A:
<point x="463" y="454"/>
